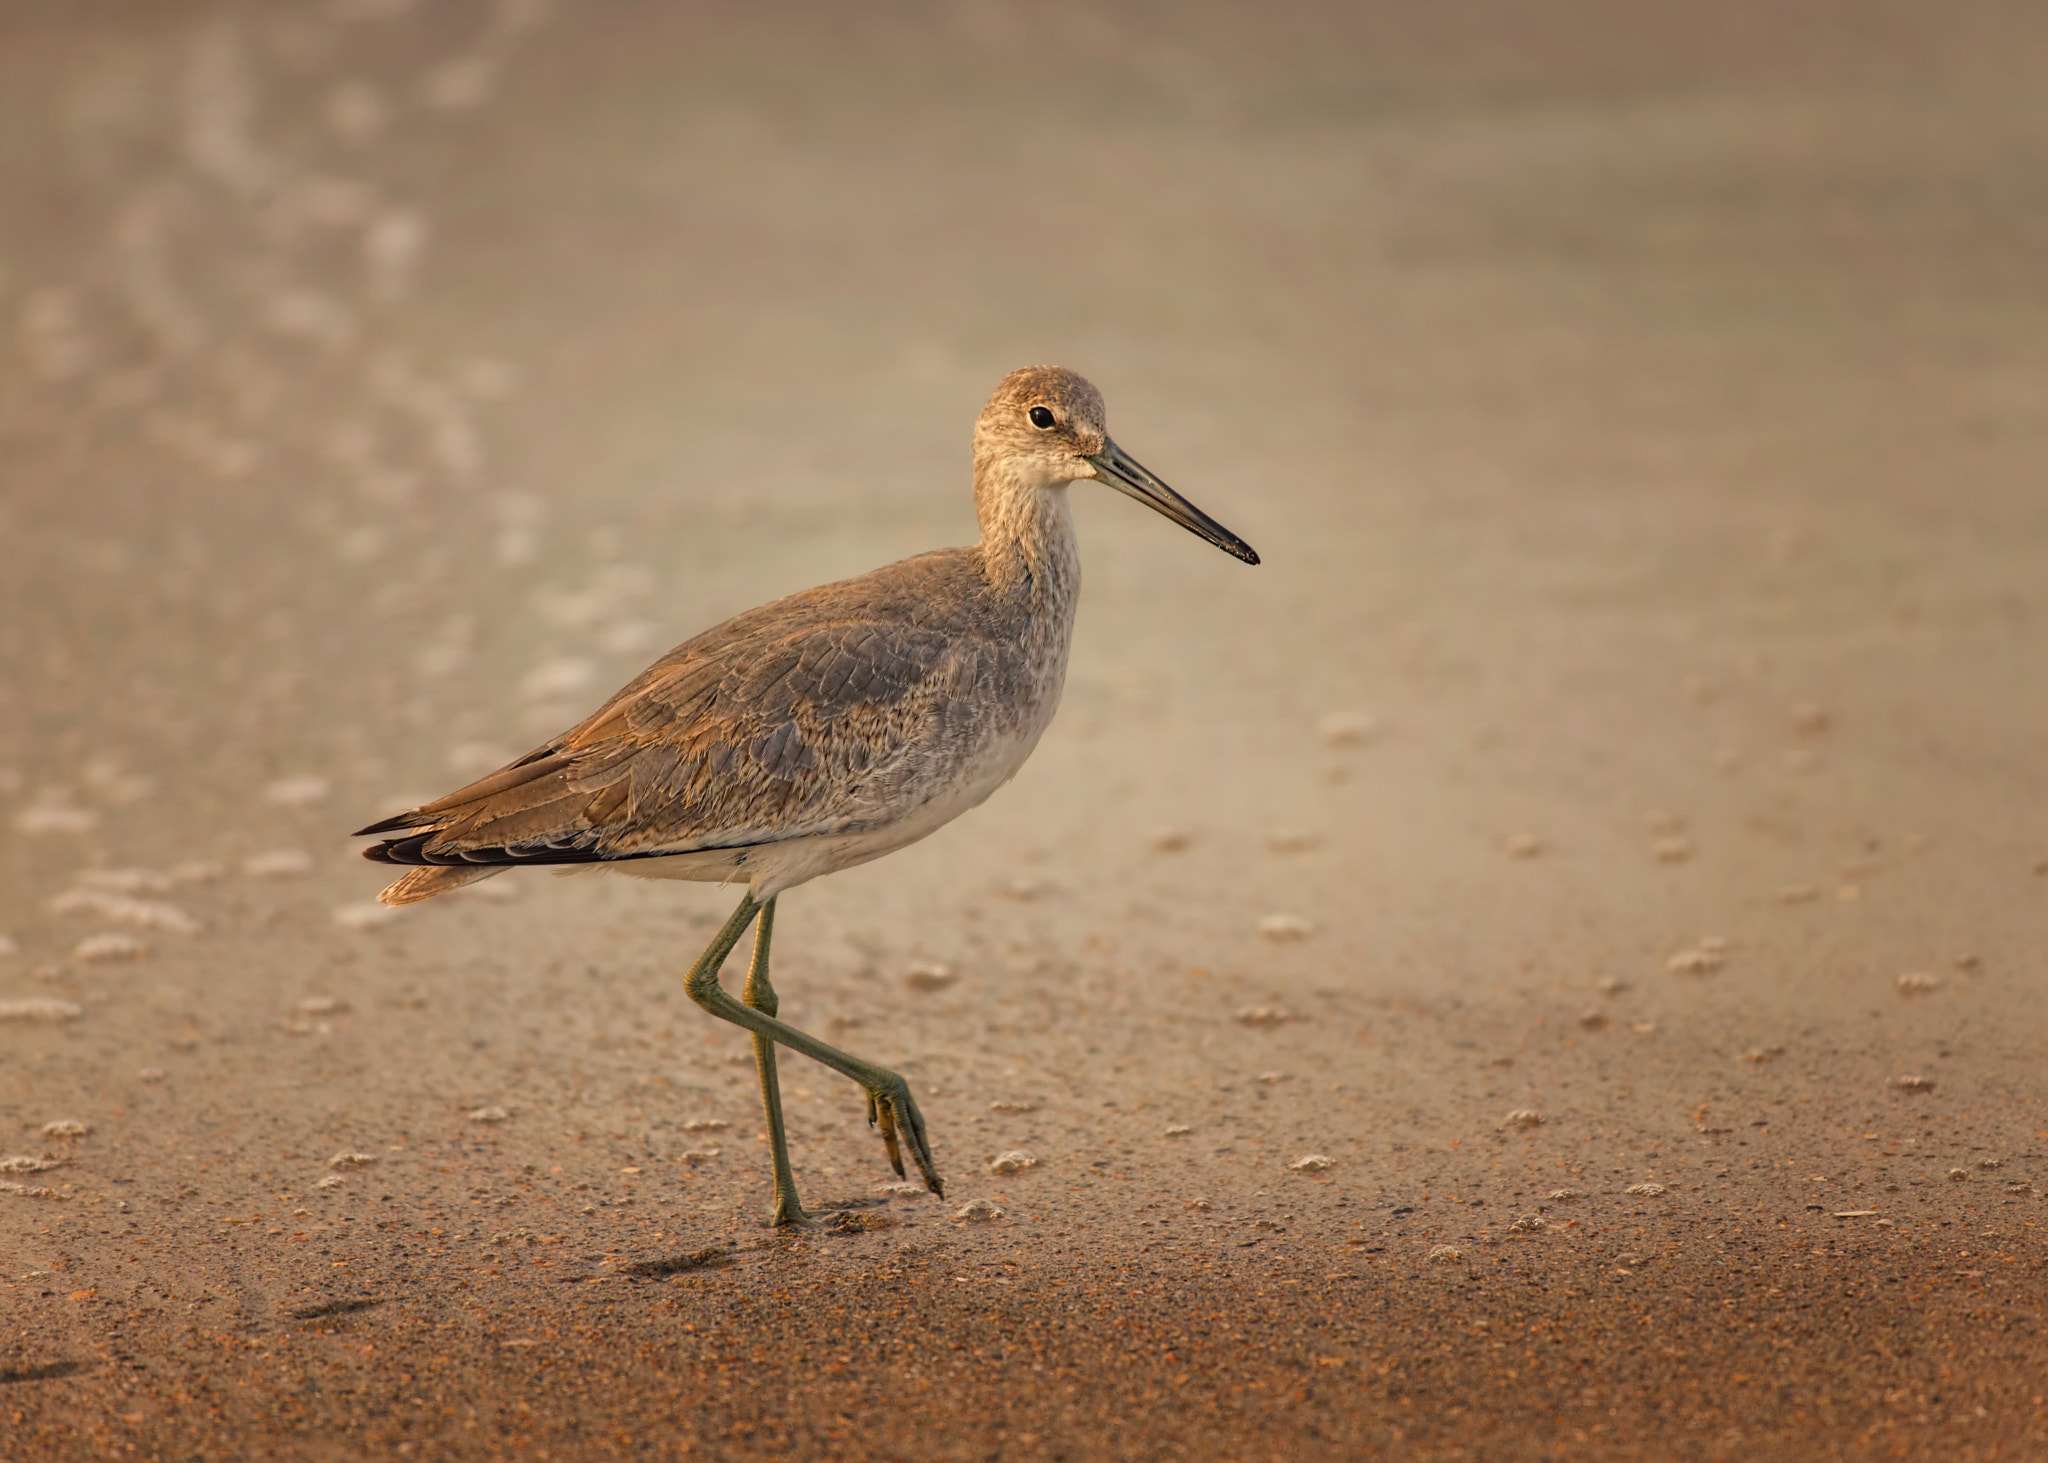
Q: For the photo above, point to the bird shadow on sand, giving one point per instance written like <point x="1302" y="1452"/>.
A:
<point x="837" y="1217"/>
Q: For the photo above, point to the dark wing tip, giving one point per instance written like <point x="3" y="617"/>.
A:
<point x="415" y="851"/>
<point x="397" y="824"/>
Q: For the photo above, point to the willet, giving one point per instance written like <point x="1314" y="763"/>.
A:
<point x="820" y="731"/>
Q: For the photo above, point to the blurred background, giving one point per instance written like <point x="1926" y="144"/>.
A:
<point x="1638" y="406"/>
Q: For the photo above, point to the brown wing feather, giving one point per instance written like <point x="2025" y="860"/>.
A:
<point x="815" y="714"/>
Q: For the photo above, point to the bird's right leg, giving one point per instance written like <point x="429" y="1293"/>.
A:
<point x="760" y="995"/>
<point x="889" y="1102"/>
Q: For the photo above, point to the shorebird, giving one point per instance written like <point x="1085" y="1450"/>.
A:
<point x="819" y="732"/>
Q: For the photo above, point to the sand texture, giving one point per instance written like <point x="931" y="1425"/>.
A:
<point x="1553" y="964"/>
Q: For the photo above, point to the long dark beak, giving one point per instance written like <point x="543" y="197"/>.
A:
<point x="1124" y="473"/>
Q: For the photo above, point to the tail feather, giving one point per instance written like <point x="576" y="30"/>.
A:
<point x="427" y="881"/>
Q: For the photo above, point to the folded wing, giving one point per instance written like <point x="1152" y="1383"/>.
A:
<point x="804" y="717"/>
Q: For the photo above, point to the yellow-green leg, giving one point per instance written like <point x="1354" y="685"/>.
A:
<point x="760" y="995"/>
<point x="889" y="1102"/>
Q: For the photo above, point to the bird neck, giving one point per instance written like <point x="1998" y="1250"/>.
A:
<point x="1027" y="538"/>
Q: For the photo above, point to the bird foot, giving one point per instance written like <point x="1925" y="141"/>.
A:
<point x="894" y="1112"/>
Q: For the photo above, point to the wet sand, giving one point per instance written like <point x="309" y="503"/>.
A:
<point x="1640" y="418"/>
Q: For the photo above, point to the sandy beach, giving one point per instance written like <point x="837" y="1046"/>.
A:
<point x="1549" y="965"/>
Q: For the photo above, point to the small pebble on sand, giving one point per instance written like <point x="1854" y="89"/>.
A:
<point x="488" y="1115"/>
<point x="1175" y="1130"/>
<point x="1169" y="840"/>
<point x="351" y="1160"/>
<point x="1763" y="1054"/>
<point x="278" y="863"/>
<point x="66" y="1128"/>
<point x="28" y="1163"/>
<point x="142" y="914"/>
<point x="1809" y="720"/>
<point x="1264" y="1018"/>
<point x="1203" y="1204"/>
<point x="1564" y="1196"/>
<point x="468" y="759"/>
<point x="301" y="790"/>
<point x="125" y="881"/>
<point x="322" y="1005"/>
<point x="1958" y="1175"/>
<point x="1644" y="1190"/>
<point x="1593" y="1020"/>
<point x="99" y="949"/>
<point x="1696" y="961"/>
<point x="332" y="1181"/>
<point x="978" y="1211"/>
<point x="929" y="975"/>
<point x="1274" y="1079"/>
<point x="458" y="85"/>
<point x="706" y="1125"/>
<point x="1674" y="850"/>
<point x="1012" y="1106"/>
<point x="491" y="891"/>
<point x="1528" y="1224"/>
<point x="40" y="1008"/>
<point x="151" y="1074"/>
<point x="1523" y="1117"/>
<point x="1914" y="983"/>
<point x="696" y="1156"/>
<point x="1016" y="1160"/>
<point x="368" y="915"/>
<point x="1523" y="845"/>
<point x="1284" y="928"/>
<point x="567" y="676"/>
<point x="1913" y="1084"/>
<point x="1347" y="728"/>
<point x="1311" y="1163"/>
<point x="628" y="637"/>
<point x="1446" y="1255"/>
<point x="55" y="817"/>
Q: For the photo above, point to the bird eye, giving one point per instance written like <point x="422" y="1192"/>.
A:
<point x="1042" y="418"/>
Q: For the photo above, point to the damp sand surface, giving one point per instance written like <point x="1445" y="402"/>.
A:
<point x="1549" y="965"/>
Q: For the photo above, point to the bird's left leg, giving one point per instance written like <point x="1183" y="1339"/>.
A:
<point x="761" y="996"/>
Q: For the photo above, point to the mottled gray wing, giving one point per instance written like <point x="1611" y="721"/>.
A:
<point x="818" y="714"/>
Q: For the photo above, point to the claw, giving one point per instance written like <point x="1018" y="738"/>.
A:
<point x="888" y="1110"/>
